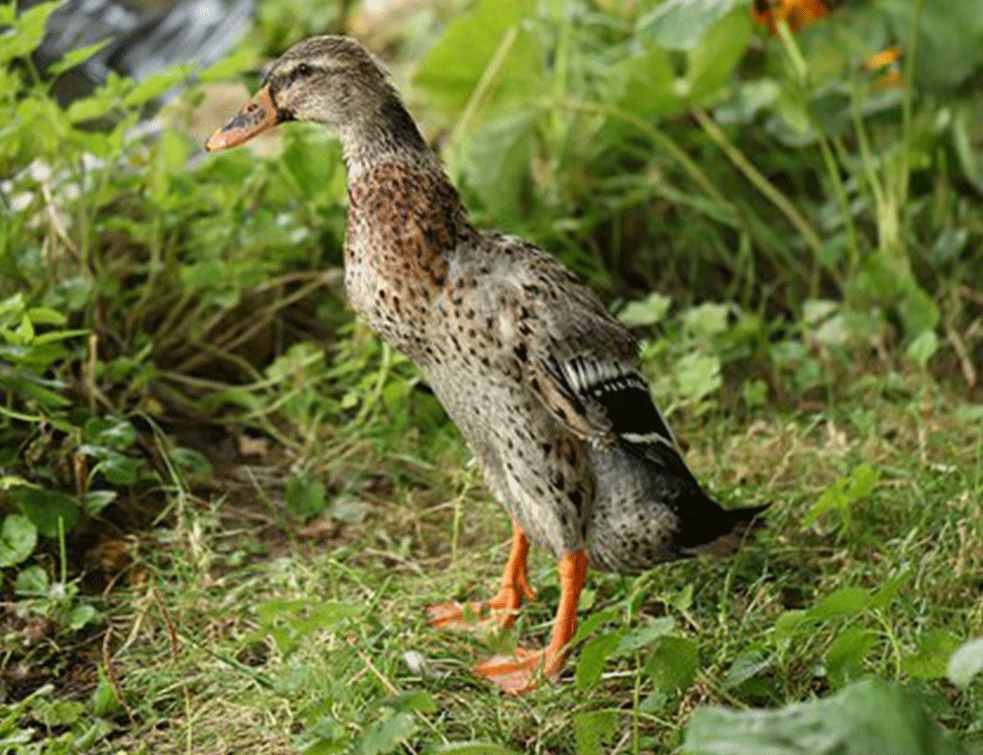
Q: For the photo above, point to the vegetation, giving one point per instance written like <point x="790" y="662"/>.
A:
<point x="223" y="505"/>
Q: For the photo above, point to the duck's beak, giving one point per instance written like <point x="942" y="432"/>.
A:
<point x="256" y="116"/>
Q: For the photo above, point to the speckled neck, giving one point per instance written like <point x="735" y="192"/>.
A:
<point x="386" y="135"/>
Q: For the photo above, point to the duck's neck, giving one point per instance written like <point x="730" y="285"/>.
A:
<point x="386" y="134"/>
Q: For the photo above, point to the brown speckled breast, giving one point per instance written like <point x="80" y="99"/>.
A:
<point x="404" y="222"/>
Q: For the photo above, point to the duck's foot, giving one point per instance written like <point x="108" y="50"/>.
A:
<point x="498" y="612"/>
<point x="520" y="672"/>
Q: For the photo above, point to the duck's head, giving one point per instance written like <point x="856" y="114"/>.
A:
<point x="330" y="80"/>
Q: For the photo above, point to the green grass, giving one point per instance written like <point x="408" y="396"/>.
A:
<point x="223" y="507"/>
<point x="327" y="634"/>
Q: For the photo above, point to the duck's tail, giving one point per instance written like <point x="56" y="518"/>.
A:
<point x="738" y="526"/>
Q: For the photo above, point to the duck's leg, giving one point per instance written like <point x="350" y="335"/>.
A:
<point x="519" y="673"/>
<point x="502" y="607"/>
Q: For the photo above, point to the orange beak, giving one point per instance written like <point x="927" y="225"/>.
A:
<point x="256" y="116"/>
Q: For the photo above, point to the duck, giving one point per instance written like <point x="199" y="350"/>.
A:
<point x="542" y="381"/>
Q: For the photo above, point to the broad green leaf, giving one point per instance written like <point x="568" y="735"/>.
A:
<point x="869" y="716"/>
<point x="46" y="507"/>
<point x="588" y="626"/>
<point x="649" y="311"/>
<point x="672" y="664"/>
<point x="966" y="663"/>
<point x="305" y="497"/>
<point x="931" y="658"/>
<point x="644" y="84"/>
<point x="888" y="590"/>
<point x="845" y="659"/>
<point x="922" y="348"/>
<point x="113" y="432"/>
<point x="74" y="57"/>
<point x="847" y="601"/>
<point x="79" y="616"/>
<point x="591" y="660"/>
<point x="491" y="41"/>
<point x="713" y="60"/>
<point x="706" y="319"/>
<point x="499" y="154"/>
<point x="28" y="31"/>
<point x="645" y="635"/>
<point x="32" y="582"/>
<point x="592" y="730"/>
<point x="413" y="700"/>
<point x="681" y="24"/>
<point x="57" y="712"/>
<point x="384" y="736"/>
<point x="789" y="623"/>
<point x="746" y="666"/>
<point x="18" y="536"/>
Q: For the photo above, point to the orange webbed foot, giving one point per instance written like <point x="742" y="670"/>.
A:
<point x="520" y="672"/>
<point x="498" y="612"/>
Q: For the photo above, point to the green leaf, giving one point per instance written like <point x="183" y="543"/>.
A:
<point x="672" y="664"/>
<point x="844" y="493"/>
<point x="80" y="615"/>
<point x="493" y="38"/>
<point x="499" y="155"/>
<point x="592" y="730"/>
<point x="384" y="736"/>
<point x="18" y="537"/>
<point x="593" y="656"/>
<point x="95" y="501"/>
<point x="57" y="712"/>
<point x="966" y="663"/>
<point x="591" y="624"/>
<point x="27" y="33"/>
<point x="104" y="701"/>
<point x="681" y="24"/>
<point x="713" y="60"/>
<point x="75" y="57"/>
<point x="746" y="666"/>
<point x="847" y="601"/>
<point x="45" y="507"/>
<point x="645" y="635"/>
<point x="845" y="659"/>
<point x="888" y="590"/>
<point x="306" y="497"/>
<point x="32" y="582"/>
<point x="649" y="311"/>
<point x="110" y="431"/>
<point x="867" y="717"/>
<point x="930" y="660"/>
<point x="922" y="348"/>
<point x="644" y="84"/>
<point x="707" y="319"/>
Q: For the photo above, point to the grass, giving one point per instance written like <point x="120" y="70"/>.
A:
<point x="224" y="507"/>
<point x="326" y="634"/>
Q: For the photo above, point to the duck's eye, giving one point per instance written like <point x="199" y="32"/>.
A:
<point x="303" y="70"/>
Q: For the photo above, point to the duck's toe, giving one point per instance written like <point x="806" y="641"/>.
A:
<point x="519" y="672"/>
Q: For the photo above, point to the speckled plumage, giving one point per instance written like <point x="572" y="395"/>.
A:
<point x="516" y="349"/>
<point x="541" y="380"/>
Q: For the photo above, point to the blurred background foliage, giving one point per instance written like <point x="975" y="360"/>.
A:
<point x="782" y="198"/>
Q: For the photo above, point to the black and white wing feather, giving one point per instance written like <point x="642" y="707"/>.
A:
<point x="583" y="365"/>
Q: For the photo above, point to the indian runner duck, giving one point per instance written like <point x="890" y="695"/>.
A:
<point x="542" y="381"/>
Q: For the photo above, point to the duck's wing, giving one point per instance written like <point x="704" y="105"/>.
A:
<point x="581" y="363"/>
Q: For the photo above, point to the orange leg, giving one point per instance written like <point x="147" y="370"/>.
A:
<point x="502" y="607"/>
<point x="518" y="673"/>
